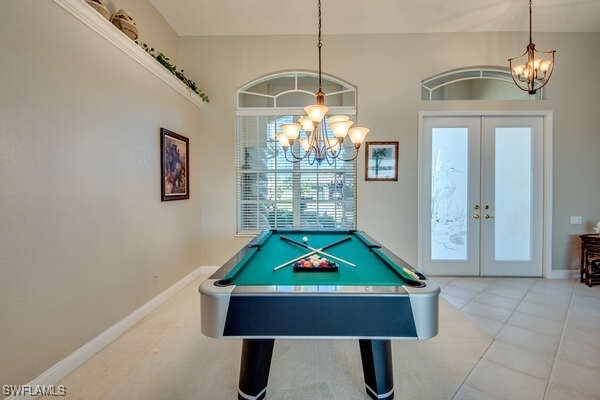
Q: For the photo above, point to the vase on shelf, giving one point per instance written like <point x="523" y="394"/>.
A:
<point x="126" y="24"/>
<point x="99" y="6"/>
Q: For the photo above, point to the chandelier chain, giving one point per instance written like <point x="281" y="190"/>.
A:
<point x="530" y="28"/>
<point x="319" y="45"/>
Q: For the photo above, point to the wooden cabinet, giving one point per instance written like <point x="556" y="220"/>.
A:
<point x="590" y="259"/>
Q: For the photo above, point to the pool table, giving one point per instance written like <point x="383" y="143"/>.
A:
<point x="373" y="296"/>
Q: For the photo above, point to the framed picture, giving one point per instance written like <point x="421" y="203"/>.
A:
<point x="381" y="161"/>
<point x="174" y="166"/>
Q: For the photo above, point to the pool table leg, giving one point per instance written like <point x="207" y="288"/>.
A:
<point x="254" y="370"/>
<point x="377" y="368"/>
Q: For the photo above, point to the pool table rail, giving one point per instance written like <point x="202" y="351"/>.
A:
<point x="227" y="272"/>
<point x="396" y="312"/>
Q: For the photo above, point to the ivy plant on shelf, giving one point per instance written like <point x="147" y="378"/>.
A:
<point x="165" y="62"/>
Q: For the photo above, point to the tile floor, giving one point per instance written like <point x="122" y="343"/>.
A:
<point x="545" y="337"/>
<point x="500" y="338"/>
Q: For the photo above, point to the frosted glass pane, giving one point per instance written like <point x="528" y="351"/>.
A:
<point x="512" y="229"/>
<point x="449" y="179"/>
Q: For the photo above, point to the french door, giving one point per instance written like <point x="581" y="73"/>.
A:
<point x="481" y="209"/>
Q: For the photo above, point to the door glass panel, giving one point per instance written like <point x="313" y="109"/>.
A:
<point x="449" y="206"/>
<point x="512" y="223"/>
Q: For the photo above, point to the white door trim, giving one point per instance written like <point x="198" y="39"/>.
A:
<point x="547" y="166"/>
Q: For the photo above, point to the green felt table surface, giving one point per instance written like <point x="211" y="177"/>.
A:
<point x="372" y="267"/>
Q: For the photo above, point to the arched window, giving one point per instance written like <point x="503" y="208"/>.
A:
<point x="474" y="83"/>
<point x="272" y="192"/>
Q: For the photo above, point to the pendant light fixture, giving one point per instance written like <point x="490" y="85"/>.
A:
<point x="308" y="139"/>
<point x="532" y="69"/>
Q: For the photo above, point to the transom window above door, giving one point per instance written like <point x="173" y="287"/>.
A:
<point x="275" y="193"/>
<point x="474" y="83"/>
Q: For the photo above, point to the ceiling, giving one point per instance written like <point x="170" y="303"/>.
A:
<point x="286" y="17"/>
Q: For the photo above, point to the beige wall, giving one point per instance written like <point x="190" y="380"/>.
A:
<point x="84" y="237"/>
<point x="387" y="70"/>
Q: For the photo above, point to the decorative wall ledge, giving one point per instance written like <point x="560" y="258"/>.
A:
<point x="91" y="18"/>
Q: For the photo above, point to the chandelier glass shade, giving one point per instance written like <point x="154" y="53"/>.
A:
<point x="532" y="69"/>
<point x="309" y="139"/>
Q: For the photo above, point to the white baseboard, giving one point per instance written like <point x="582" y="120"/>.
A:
<point x="58" y="371"/>
<point x="563" y="274"/>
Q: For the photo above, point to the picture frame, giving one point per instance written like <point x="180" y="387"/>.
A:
<point x="381" y="161"/>
<point x="174" y="166"/>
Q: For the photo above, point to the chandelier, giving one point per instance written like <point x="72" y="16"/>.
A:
<point x="307" y="139"/>
<point x="528" y="72"/>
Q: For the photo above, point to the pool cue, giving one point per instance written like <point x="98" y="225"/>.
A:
<point x="317" y="251"/>
<point x="311" y="253"/>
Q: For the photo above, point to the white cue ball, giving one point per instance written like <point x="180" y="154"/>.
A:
<point x="304" y="239"/>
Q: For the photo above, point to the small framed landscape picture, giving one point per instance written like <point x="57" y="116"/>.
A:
<point x="381" y="161"/>
<point x="174" y="166"/>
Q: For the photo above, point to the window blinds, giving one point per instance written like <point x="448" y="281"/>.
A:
<point x="275" y="193"/>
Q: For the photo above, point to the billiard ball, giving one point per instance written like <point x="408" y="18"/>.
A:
<point x="304" y="239"/>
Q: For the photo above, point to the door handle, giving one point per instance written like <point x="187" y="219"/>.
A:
<point x="475" y="216"/>
<point x="488" y="216"/>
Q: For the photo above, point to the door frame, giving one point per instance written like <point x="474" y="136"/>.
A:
<point x="547" y="149"/>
